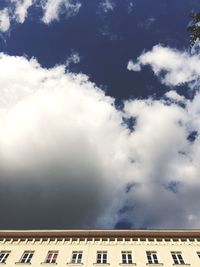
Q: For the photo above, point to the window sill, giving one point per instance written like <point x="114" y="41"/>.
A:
<point x="126" y="264"/>
<point x="23" y="263"/>
<point x="101" y="263"/>
<point x="182" y="264"/>
<point x="71" y="263"/>
<point x="154" y="264"/>
<point x="49" y="263"/>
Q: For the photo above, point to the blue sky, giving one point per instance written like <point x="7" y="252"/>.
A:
<point x="99" y="114"/>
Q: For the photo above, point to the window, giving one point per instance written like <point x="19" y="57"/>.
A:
<point x="127" y="257"/>
<point x="102" y="257"/>
<point x="4" y="256"/>
<point x="152" y="257"/>
<point x="177" y="257"/>
<point x="26" y="257"/>
<point x="198" y="253"/>
<point x="76" y="256"/>
<point x="51" y="256"/>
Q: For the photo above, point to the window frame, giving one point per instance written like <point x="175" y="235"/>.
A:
<point x="5" y="254"/>
<point x="177" y="258"/>
<point x="103" y="259"/>
<point x="51" y="259"/>
<point x="78" y="258"/>
<point x="28" y="258"/>
<point x="152" y="257"/>
<point x="126" y="259"/>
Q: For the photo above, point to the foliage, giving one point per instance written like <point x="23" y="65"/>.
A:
<point x="194" y="28"/>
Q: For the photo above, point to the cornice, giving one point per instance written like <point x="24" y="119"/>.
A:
<point x="100" y="233"/>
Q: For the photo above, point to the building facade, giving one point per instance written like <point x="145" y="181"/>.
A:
<point x="100" y="248"/>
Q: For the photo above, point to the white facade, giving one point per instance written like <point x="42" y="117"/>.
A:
<point x="100" y="248"/>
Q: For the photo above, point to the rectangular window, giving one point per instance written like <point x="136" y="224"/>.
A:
<point x="102" y="257"/>
<point x="127" y="257"/>
<point x="177" y="257"/>
<point x="51" y="256"/>
<point x="198" y="253"/>
<point x="152" y="257"/>
<point x="3" y="256"/>
<point x="76" y="257"/>
<point x="26" y="257"/>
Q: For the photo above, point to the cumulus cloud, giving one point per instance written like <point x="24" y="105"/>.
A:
<point x="171" y="66"/>
<point x="70" y="159"/>
<point x="52" y="9"/>
<point x="17" y="11"/>
<point x="164" y="178"/>
<point x="4" y="20"/>
<point x="56" y="154"/>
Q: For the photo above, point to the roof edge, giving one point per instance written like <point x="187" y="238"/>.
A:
<point x="99" y="233"/>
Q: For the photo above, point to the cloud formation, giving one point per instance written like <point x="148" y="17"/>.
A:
<point x="52" y="9"/>
<point x="107" y="6"/>
<point x="171" y="66"/>
<point x="4" y="20"/>
<point x="56" y="146"/>
<point x="71" y="159"/>
<point x="17" y="11"/>
<point x="21" y="9"/>
<point x="74" y="58"/>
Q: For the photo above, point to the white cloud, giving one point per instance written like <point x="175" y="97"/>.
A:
<point x="107" y="6"/>
<point x="65" y="147"/>
<point x="52" y="9"/>
<point x="57" y="132"/>
<point x="171" y="66"/>
<point x="173" y="95"/>
<point x="17" y="11"/>
<point x="74" y="58"/>
<point x="4" y="20"/>
<point x="21" y="9"/>
<point x="163" y="159"/>
<point x="133" y="66"/>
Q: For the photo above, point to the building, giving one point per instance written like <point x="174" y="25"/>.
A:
<point x="100" y="248"/>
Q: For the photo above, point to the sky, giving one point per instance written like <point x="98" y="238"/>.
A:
<point x="99" y="115"/>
